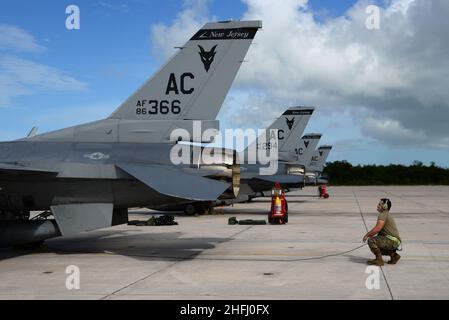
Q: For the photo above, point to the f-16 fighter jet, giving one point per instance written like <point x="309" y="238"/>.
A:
<point x="87" y="176"/>
<point x="288" y="127"/>
<point x="314" y="168"/>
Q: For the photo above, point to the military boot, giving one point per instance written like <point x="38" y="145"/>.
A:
<point x="378" y="261"/>
<point x="394" y="258"/>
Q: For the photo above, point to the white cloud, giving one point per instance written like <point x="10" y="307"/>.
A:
<point x="387" y="129"/>
<point x="19" y="76"/>
<point x="394" y="72"/>
<point x="393" y="80"/>
<point x="187" y="22"/>
<point x="307" y="59"/>
<point x="14" y="38"/>
<point x="399" y="6"/>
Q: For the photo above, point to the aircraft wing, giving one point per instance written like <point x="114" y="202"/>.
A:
<point x="176" y="183"/>
<point x="204" y="172"/>
<point x="282" y="178"/>
<point x="20" y="169"/>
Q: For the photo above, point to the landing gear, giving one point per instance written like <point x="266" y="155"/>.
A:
<point x="189" y="210"/>
<point x="197" y="208"/>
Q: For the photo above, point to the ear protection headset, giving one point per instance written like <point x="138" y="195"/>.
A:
<point x="385" y="204"/>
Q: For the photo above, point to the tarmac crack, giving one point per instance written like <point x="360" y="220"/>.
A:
<point x="366" y="228"/>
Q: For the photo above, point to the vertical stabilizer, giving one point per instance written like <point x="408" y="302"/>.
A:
<point x="194" y="82"/>
<point x="289" y="126"/>
<point x="318" y="159"/>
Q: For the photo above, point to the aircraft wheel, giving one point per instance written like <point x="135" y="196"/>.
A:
<point x="190" y="210"/>
<point x="204" y="209"/>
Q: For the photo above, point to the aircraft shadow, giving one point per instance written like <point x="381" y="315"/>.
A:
<point x="167" y="246"/>
<point x="9" y="253"/>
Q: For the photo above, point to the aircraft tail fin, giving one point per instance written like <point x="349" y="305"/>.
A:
<point x="190" y="87"/>
<point x="319" y="158"/>
<point x="290" y="126"/>
<point x="32" y="132"/>
<point x="306" y="147"/>
<point x="193" y="84"/>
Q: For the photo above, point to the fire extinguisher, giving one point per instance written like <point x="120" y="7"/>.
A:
<point x="279" y="207"/>
<point x="322" y="191"/>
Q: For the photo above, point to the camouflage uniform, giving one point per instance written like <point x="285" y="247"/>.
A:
<point x="382" y="244"/>
<point x="385" y="245"/>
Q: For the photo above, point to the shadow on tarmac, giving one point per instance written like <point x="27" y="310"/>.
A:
<point x="359" y="260"/>
<point x="167" y="246"/>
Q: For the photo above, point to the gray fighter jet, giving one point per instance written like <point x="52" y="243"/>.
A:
<point x="289" y="126"/>
<point x="314" y="168"/>
<point x="304" y="150"/>
<point x="291" y="173"/>
<point x="87" y="176"/>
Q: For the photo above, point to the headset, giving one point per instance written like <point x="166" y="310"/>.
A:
<point x="385" y="202"/>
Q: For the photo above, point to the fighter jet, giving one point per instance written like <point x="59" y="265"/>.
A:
<point x="295" y="169"/>
<point x="304" y="150"/>
<point x="87" y="176"/>
<point x="314" y="168"/>
<point x="288" y="127"/>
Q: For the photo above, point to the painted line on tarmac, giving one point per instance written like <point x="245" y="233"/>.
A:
<point x="366" y="227"/>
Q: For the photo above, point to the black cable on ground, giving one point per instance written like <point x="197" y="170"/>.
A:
<point x="192" y="256"/>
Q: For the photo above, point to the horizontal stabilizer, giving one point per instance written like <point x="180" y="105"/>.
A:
<point x="175" y="183"/>
<point x="19" y="169"/>
<point x="77" y="217"/>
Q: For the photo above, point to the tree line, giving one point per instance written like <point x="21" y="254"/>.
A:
<point x="344" y="173"/>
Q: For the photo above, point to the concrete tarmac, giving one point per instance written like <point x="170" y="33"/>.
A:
<point x="205" y="258"/>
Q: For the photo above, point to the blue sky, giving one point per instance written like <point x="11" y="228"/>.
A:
<point x="97" y="67"/>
